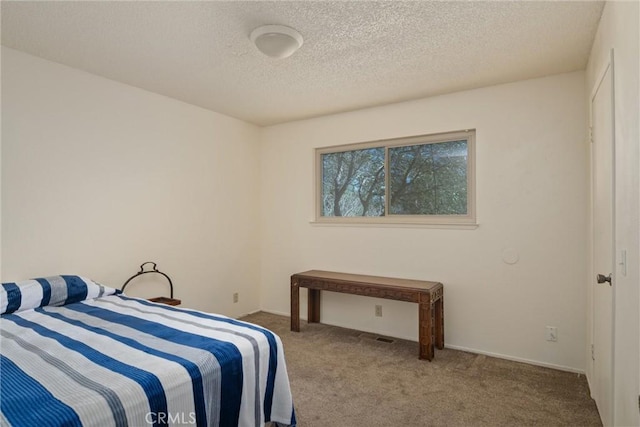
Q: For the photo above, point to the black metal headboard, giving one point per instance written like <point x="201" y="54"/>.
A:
<point x="155" y="270"/>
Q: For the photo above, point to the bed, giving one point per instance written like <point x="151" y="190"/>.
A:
<point x="74" y="352"/>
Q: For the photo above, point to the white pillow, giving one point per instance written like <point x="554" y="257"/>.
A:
<point x="55" y="290"/>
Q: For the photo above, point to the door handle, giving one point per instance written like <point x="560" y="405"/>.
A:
<point x="601" y="278"/>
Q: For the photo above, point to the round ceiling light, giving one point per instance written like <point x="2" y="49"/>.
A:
<point x="276" y="41"/>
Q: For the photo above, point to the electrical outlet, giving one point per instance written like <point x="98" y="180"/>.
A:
<point x="378" y="311"/>
<point x="551" y="333"/>
<point x="235" y="297"/>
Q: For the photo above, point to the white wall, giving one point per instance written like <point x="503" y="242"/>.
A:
<point x="98" y="177"/>
<point x="618" y="30"/>
<point x="532" y="195"/>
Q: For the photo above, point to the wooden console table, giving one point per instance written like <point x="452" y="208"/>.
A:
<point x="428" y="295"/>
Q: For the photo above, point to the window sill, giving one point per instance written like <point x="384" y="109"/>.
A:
<point x="387" y="224"/>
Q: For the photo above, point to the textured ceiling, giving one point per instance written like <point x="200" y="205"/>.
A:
<point x="355" y="53"/>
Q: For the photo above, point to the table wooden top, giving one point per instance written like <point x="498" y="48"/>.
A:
<point x="371" y="280"/>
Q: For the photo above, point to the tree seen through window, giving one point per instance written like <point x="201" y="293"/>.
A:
<point x="417" y="179"/>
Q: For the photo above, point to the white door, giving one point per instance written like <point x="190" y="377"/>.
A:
<point x="603" y="243"/>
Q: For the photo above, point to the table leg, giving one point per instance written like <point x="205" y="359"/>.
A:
<point x="313" y="306"/>
<point x="295" y="306"/>
<point x="439" y="322"/>
<point x="425" y="326"/>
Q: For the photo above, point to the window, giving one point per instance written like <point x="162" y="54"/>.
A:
<point x="421" y="180"/>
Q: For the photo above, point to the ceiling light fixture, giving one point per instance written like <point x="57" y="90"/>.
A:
<point x="276" y="41"/>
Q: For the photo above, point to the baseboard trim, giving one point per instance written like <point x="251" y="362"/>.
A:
<point x="280" y="313"/>
<point x="254" y="312"/>
<point x="590" y="387"/>
<point x="468" y="350"/>
<point x="516" y="359"/>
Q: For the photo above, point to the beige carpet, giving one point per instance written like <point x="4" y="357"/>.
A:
<point x="340" y="377"/>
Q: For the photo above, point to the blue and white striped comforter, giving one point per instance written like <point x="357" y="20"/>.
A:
<point x="118" y="361"/>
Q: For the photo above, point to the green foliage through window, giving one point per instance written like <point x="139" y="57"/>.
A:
<point x="353" y="183"/>
<point x="412" y="177"/>
<point x="428" y="179"/>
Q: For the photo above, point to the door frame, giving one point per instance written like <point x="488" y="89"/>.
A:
<point x="607" y="66"/>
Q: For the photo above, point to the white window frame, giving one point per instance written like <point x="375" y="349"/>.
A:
<point x="437" y="220"/>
